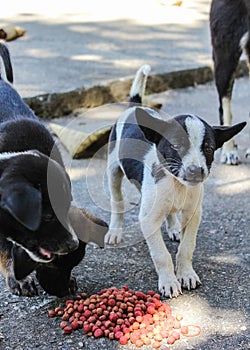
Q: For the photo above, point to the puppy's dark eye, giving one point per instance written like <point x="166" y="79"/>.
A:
<point x="48" y="217"/>
<point x="176" y="147"/>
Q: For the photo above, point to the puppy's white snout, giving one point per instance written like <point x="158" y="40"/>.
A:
<point x="194" y="173"/>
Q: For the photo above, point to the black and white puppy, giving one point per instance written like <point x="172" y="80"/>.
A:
<point x="36" y="214"/>
<point x="230" y="35"/>
<point x="168" y="160"/>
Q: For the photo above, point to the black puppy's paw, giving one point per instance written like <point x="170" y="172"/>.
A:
<point x="72" y="285"/>
<point x="25" y="287"/>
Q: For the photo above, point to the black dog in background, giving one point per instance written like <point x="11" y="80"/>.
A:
<point x="38" y="223"/>
<point x="230" y="26"/>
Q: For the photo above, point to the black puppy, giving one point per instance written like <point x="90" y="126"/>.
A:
<point x="230" y="35"/>
<point x="36" y="216"/>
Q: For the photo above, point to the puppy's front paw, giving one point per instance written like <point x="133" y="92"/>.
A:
<point x="72" y="285"/>
<point x="169" y="286"/>
<point x="114" y="236"/>
<point x="188" y="278"/>
<point x="25" y="287"/>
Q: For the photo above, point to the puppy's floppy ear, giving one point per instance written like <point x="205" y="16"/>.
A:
<point x="225" y="133"/>
<point x="23" y="265"/>
<point x="24" y="203"/>
<point x="153" y="128"/>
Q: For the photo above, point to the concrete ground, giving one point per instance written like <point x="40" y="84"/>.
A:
<point x="220" y="306"/>
<point x="78" y="44"/>
<point x="85" y="43"/>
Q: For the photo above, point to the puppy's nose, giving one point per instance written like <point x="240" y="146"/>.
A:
<point x="194" y="173"/>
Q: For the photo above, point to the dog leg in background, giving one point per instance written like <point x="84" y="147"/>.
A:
<point x="224" y="18"/>
<point x="191" y="217"/>
<point x="245" y="42"/>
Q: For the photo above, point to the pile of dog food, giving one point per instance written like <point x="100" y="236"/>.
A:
<point x="124" y="315"/>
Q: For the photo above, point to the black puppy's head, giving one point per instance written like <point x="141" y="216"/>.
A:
<point x="35" y="197"/>
<point x="186" y="143"/>
<point x="55" y="276"/>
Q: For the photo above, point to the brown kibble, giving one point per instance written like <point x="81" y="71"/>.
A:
<point x="99" y="311"/>
<point x="65" y="316"/>
<point x="67" y="330"/>
<point x="179" y="317"/>
<point x="111" y="335"/>
<point x="70" y="310"/>
<point x="51" y="313"/>
<point x="156" y="345"/>
<point x="63" y="324"/>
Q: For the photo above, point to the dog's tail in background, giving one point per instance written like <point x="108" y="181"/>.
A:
<point x="5" y="55"/>
<point x="139" y="84"/>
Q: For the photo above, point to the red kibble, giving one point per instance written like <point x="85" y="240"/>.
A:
<point x="92" y="306"/>
<point x="67" y="330"/>
<point x="99" y="311"/>
<point x="80" y="308"/>
<point x="70" y="310"/>
<point x="113" y="317"/>
<point x="111" y="302"/>
<point x="65" y="316"/>
<point x="123" y="340"/>
<point x="75" y="325"/>
<point x="63" y="324"/>
<point x="118" y="334"/>
<point x="177" y="324"/>
<point x="156" y="345"/>
<point x="51" y="313"/>
<point x="184" y="329"/>
<point x="91" y="319"/>
<point x="111" y="335"/>
<point x="151" y="310"/>
<point x="171" y="339"/>
<point x="87" y="313"/>
<point x="87" y="328"/>
<point x="98" y="333"/>
<point x="106" y="332"/>
<point x="176" y="335"/>
<point x="139" y="343"/>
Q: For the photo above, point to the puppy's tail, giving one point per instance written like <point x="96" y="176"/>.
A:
<point x="5" y="55"/>
<point x="139" y="84"/>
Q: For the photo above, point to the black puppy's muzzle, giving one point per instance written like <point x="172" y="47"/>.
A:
<point x="194" y="174"/>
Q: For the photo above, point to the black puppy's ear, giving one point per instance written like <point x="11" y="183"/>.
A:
<point x="153" y="128"/>
<point x="24" y="203"/>
<point x="23" y="265"/>
<point x="225" y="133"/>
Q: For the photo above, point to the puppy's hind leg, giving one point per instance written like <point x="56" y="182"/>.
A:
<point x="173" y="227"/>
<point x="115" y="176"/>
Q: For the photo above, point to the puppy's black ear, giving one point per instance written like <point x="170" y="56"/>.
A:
<point x="24" y="203"/>
<point x="152" y="127"/>
<point x="23" y="265"/>
<point x="225" y="133"/>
